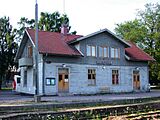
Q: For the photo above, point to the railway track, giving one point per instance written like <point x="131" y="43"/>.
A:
<point x="86" y="113"/>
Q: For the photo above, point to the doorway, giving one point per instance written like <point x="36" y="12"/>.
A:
<point x="136" y="80"/>
<point x="63" y="80"/>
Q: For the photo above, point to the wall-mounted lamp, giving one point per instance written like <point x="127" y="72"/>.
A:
<point x="104" y="67"/>
<point x="63" y="65"/>
<point x="136" y="68"/>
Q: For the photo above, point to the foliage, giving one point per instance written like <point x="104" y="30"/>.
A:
<point x="8" y="47"/>
<point x="47" y="22"/>
<point x="145" y="31"/>
<point x="52" y="22"/>
<point x="23" y="24"/>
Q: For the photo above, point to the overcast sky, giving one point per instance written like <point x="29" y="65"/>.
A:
<point x="86" y="16"/>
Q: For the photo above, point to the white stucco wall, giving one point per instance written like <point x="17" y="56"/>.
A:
<point x="29" y="88"/>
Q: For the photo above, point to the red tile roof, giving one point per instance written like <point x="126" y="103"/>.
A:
<point x="54" y="43"/>
<point x="136" y="54"/>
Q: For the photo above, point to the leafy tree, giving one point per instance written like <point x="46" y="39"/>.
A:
<point x="8" y="47"/>
<point x="145" y="31"/>
<point x="47" y="22"/>
<point x="23" y="24"/>
<point x="133" y="31"/>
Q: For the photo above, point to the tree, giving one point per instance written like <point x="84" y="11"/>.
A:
<point x="48" y="22"/>
<point x="23" y="24"/>
<point x="8" y="47"/>
<point x="133" y="31"/>
<point x="145" y="31"/>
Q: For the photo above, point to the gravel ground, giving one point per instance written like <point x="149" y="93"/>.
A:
<point x="11" y="97"/>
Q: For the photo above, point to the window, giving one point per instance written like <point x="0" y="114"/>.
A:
<point x="50" y="81"/>
<point x="115" y="52"/>
<point x="115" y="77"/>
<point x="91" y="50"/>
<point x="25" y="78"/>
<point x="30" y="51"/>
<point x="34" y="78"/>
<point x="91" y="77"/>
<point x="18" y="80"/>
<point x="103" y="51"/>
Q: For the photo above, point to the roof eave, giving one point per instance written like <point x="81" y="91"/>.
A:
<point x="140" y="60"/>
<point x="71" y="55"/>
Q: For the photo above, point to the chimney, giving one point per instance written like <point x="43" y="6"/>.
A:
<point x="64" y="29"/>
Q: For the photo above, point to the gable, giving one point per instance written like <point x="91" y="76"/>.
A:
<point x="25" y="42"/>
<point x="103" y="39"/>
<point x="106" y="31"/>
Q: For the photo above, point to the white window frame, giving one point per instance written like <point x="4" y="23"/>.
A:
<point x="103" y="51"/>
<point x="90" y="51"/>
<point x="115" y="52"/>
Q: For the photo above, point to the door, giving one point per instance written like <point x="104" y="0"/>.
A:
<point x="136" y="80"/>
<point x="63" y="80"/>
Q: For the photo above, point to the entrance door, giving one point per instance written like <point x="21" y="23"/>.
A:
<point x="136" y="80"/>
<point x="63" y="80"/>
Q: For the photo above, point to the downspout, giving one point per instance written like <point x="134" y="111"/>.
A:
<point x="43" y="75"/>
<point x="43" y="72"/>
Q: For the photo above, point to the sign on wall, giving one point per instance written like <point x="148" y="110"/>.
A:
<point x="50" y="81"/>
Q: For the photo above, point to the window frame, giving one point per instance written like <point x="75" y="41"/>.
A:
<point x="118" y="53"/>
<point x="90" y="48"/>
<point x="30" y="51"/>
<point x="92" y="78"/>
<point x="103" y="51"/>
<point x="115" y="77"/>
<point x="25" y="78"/>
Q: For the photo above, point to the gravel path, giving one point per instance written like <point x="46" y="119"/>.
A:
<point x="11" y="97"/>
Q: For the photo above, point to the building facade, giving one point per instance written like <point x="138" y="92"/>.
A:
<point x="71" y="64"/>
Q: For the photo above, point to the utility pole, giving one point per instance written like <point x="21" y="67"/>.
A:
<point x="36" y="97"/>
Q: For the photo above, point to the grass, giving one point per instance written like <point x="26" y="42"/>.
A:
<point x="6" y="88"/>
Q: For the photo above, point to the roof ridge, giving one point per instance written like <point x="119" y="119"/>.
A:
<point x="52" y="32"/>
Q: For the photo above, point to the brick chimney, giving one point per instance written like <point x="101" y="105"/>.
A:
<point x="64" y="29"/>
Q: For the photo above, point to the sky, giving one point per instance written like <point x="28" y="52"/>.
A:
<point x="86" y="16"/>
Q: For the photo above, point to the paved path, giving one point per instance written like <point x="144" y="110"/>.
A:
<point x="10" y="97"/>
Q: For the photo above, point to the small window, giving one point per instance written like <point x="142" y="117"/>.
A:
<point x="91" y="77"/>
<point x="30" y="51"/>
<point x="103" y="51"/>
<point x="115" y="77"/>
<point x="115" y="52"/>
<point x="91" y="50"/>
<point x="34" y="80"/>
<point x="50" y="81"/>
<point x="25" y="78"/>
<point x="18" y="80"/>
